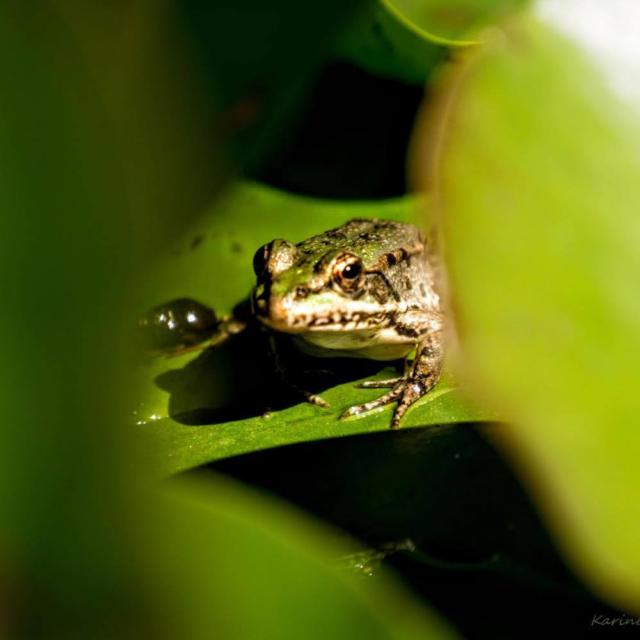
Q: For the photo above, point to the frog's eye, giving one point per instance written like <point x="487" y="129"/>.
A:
<point x="352" y="271"/>
<point x="348" y="272"/>
<point x="275" y="257"/>
<point x="261" y="258"/>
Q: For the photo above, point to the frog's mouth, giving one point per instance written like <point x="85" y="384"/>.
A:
<point x="289" y="316"/>
<point x="333" y="322"/>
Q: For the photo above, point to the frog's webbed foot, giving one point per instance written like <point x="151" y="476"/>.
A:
<point x="387" y="398"/>
<point x="417" y="381"/>
<point x="405" y="392"/>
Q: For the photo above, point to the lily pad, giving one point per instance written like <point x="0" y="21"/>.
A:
<point x="190" y="407"/>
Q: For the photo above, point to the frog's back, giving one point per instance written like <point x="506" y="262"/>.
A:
<point x="370" y="238"/>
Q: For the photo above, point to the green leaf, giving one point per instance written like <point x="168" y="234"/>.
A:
<point x="407" y="39"/>
<point x="448" y="23"/>
<point x="260" y="62"/>
<point x="88" y="549"/>
<point x="247" y="566"/>
<point x="212" y="264"/>
<point x="181" y="447"/>
<point x="538" y="171"/>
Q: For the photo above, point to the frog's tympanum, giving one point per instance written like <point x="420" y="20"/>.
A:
<point x="366" y="289"/>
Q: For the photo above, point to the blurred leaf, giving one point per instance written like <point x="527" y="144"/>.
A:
<point x="212" y="264"/>
<point x="244" y="566"/>
<point x="538" y="171"/>
<point x="384" y="45"/>
<point x="76" y="227"/>
<point x="446" y="22"/>
<point x="260" y="60"/>
<point x="406" y="39"/>
<point x="144" y="71"/>
<point x="67" y="246"/>
<point x="427" y="489"/>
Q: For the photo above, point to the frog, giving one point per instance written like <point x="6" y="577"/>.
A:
<point x="365" y="289"/>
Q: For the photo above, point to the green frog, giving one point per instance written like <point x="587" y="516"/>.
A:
<point x="366" y="289"/>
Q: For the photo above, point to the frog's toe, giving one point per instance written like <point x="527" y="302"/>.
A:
<point x="379" y="384"/>
<point x="387" y="398"/>
<point x="317" y="400"/>
<point x="410" y="393"/>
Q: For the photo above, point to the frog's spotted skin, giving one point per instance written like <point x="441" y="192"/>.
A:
<point x="365" y="289"/>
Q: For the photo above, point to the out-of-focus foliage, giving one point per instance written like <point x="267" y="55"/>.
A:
<point x="260" y="60"/>
<point x="382" y="44"/>
<point x="229" y="564"/>
<point x="450" y="23"/>
<point x="218" y="559"/>
<point x="62" y="220"/>
<point x="537" y="168"/>
<point x="165" y="148"/>
<point x="118" y="121"/>
<point x="406" y="39"/>
<point x="212" y="264"/>
<point x="85" y="151"/>
<point x="481" y="556"/>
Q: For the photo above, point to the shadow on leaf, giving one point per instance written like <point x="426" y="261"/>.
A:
<point x="240" y="379"/>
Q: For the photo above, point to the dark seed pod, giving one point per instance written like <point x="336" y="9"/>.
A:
<point x="179" y="323"/>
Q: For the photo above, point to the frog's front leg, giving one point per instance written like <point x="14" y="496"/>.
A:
<point x="419" y="378"/>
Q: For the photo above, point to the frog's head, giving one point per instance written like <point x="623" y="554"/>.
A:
<point x="326" y="283"/>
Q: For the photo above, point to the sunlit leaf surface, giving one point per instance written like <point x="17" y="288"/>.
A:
<point x="205" y="406"/>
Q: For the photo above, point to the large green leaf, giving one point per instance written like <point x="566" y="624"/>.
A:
<point x="88" y="549"/>
<point x="538" y="171"/>
<point x="474" y="547"/>
<point x="212" y="264"/>
<point x="242" y="565"/>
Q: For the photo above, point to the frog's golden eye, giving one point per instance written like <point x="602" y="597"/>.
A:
<point x="348" y="272"/>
